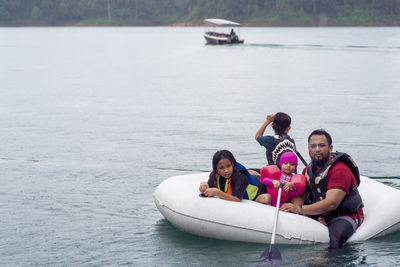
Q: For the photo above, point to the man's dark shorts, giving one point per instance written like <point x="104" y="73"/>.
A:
<point x="340" y="230"/>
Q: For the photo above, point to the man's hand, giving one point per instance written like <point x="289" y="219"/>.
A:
<point x="289" y="207"/>
<point x="331" y="202"/>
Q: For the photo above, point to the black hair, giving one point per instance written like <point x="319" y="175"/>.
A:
<point x="281" y="122"/>
<point x="223" y="154"/>
<point x="321" y="132"/>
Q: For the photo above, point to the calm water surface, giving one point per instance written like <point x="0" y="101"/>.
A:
<point x="93" y="119"/>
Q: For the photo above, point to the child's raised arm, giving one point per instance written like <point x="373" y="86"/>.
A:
<point x="269" y="175"/>
<point x="267" y="121"/>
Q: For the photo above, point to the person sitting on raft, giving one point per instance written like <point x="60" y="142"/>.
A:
<point x="331" y="195"/>
<point x="225" y="181"/>
<point x="272" y="177"/>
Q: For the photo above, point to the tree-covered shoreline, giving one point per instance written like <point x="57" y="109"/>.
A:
<point x="192" y="12"/>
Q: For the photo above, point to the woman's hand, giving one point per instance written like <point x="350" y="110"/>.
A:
<point x="215" y="192"/>
<point x="210" y="192"/>
<point x="203" y="187"/>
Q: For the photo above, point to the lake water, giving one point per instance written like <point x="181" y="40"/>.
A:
<point x="93" y="119"/>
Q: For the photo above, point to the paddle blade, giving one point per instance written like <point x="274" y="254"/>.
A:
<point x="270" y="257"/>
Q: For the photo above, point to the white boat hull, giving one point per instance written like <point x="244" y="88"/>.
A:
<point x="177" y="198"/>
<point x="215" y="40"/>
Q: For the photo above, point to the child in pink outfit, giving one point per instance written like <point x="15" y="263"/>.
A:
<point x="272" y="176"/>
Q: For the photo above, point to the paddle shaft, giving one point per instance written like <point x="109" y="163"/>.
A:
<point x="301" y="158"/>
<point x="272" y="256"/>
<point x="278" y="202"/>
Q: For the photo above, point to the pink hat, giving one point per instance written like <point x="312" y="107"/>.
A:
<point x="288" y="157"/>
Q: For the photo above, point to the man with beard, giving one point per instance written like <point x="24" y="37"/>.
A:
<point x="331" y="195"/>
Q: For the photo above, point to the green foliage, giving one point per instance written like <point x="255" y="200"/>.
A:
<point x="35" y="14"/>
<point x="4" y="14"/>
<point x="164" y="12"/>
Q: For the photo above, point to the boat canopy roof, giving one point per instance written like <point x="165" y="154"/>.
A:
<point x="221" y="22"/>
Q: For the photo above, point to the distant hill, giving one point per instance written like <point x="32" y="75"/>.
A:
<point x="192" y="12"/>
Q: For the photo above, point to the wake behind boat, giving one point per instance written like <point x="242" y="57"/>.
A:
<point x="222" y="37"/>
<point x="177" y="198"/>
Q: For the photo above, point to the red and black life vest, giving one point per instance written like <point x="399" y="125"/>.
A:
<point x="318" y="184"/>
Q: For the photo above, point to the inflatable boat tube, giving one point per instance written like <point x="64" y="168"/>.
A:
<point x="177" y="198"/>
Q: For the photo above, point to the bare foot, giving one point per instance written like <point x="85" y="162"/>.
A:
<point x="264" y="199"/>
<point x="322" y="220"/>
<point x="253" y="172"/>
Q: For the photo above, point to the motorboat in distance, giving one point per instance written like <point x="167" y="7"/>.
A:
<point x="222" y="37"/>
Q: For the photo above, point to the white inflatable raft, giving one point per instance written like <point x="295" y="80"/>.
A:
<point x="177" y="198"/>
